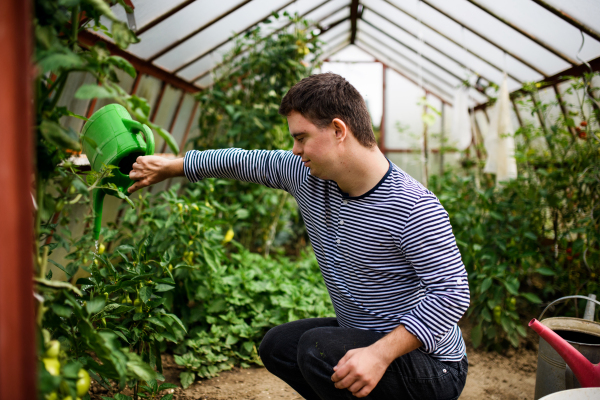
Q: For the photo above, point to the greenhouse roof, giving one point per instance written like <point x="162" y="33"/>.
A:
<point x="435" y="43"/>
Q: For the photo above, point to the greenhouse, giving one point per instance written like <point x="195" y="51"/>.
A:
<point x="306" y="199"/>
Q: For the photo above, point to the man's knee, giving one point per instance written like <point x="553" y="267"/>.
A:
<point x="316" y="349"/>
<point x="268" y="346"/>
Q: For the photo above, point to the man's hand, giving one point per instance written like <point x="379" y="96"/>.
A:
<point x="149" y="170"/>
<point x="360" y="370"/>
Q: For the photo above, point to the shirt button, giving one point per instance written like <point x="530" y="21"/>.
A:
<point x="338" y="241"/>
<point x="444" y="370"/>
<point x="345" y="201"/>
<point x="341" y="222"/>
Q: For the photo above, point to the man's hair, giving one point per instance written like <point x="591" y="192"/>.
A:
<point x="322" y="97"/>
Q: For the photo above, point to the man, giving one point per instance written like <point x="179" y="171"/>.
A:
<point x="384" y="245"/>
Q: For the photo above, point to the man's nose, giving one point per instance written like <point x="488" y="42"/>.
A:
<point x="296" y="149"/>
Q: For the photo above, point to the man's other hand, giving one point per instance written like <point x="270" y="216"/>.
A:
<point x="360" y="370"/>
<point x="149" y="170"/>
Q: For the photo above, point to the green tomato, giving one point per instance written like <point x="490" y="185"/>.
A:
<point x="52" y="366"/>
<point x="83" y="382"/>
<point x="53" y="349"/>
<point x="101" y="248"/>
<point x="52" y="396"/>
<point x="497" y="313"/>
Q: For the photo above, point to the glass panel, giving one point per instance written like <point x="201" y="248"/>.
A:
<point x="412" y="70"/>
<point x="542" y="24"/>
<point x="351" y="53"/>
<point x="450" y="53"/>
<point x="182" y="120"/>
<point x="205" y="81"/>
<point x="344" y="13"/>
<point x="125" y="81"/>
<point x="400" y="69"/>
<point x="409" y="163"/>
<point x="209" y="61"/>
<point x="408" y="57"/>
<point x="334" y="32"/>
<point x="336" y="48"/>
<point x="311" y="9"/>
<point x="148" y="88"/>
<point x="585" y="11"/>
<point x="455" y="32"/>
<point x="243" y="18"/>
<point x="146" y="11"/>
<point x="504" y="35"/>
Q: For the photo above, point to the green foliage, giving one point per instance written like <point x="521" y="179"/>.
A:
<point x="241" y="110"/>
<point x="535" y="237"/>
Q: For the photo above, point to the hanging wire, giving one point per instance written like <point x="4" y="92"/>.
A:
<point x="587" y="84"/>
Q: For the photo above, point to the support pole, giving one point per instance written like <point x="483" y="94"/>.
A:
<point x="563" y="109"/>
<point x="442" y="134"/>
<point x="566" y="17"/>
<point x="517" y="112"/>
<point x="382" y="123"/>
<point x="18" y="363"/>
<point x="424" y="155"/>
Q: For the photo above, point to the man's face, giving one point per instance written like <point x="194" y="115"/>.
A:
<point x="316" y="146"/>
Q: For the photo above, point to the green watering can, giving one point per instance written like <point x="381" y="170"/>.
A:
<point x="119" y="141"/>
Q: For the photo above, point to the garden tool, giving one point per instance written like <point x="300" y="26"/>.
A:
<point x="587" y="374"/>
<point x="111" y="137"/>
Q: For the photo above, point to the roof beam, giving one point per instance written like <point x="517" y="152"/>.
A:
<point x="353" y="18"/>
<point x="441" y="52"/>
<point x="362" y="46"/>
<point x="490" y="41"/>
<point x="162" y="17"/>
<point x="545" y="45"/>
<point x="197" y="31"/>
<point x="566" y="17"/>
<point x="187" y="64"/>
<point x="202" y="75"/>
<point x="412" y="61"/>
<point x="575" y="71"/>
<point x="88" y="39"/>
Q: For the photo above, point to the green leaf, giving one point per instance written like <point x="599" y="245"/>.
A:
<point x="167" y="396"/>
<point x="58" y="285"/>
<point x="95" y="305"/>
<point x="90" y="91"/>
<point x="162" y="287"/>
<point x="169" y="140"/>
<point x="545" y="271"/>
<point x="485" y="285"/>
<point x="476" y="335"/>
<point x="58" y="136"/>
<point x="167" y="385"/>
<point x="58" y="61"/>
<point x="521" y="330"/>
<point x="61" y="310"/>
<point x="512" y="287"/>
<point x="242" y="213"/>
<point x="177" y="320"/>
<point x="187" y="378"/>
<point x="145" y="293"/>
<point x="530" y="235"/>
<point x="138" y="368"/>
<point x="123" y="64"/>
<point x="532" y="298"/>
<point x="102" y="8"/>
<point x="485" y="313"/>
<point x="497" y="216"/>
<point x="120" y="396"/>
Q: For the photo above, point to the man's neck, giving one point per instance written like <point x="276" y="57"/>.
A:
<point x="361" y="170"/>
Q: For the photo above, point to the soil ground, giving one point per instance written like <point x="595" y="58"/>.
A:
<point x="491" y="376"/>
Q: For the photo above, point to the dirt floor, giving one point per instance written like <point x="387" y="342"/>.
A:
<point x="491" y="376"/>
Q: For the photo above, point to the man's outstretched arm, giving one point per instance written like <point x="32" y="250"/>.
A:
<point x="150" y="170"/>
<point x="360" y="370"/>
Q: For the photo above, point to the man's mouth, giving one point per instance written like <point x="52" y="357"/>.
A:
<point x="306" y="162"/>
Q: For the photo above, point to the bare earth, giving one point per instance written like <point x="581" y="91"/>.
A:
<point x="491" y="376"/>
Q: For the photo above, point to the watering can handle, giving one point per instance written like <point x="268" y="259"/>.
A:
<point x="135" y="126"/>
<point x="566" y="298"/>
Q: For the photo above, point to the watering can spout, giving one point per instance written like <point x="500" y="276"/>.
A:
<point x="587" y="373"/>
<point x="97" y="206"/>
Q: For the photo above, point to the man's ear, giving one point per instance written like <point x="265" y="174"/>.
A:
<point x="341" y="129"/>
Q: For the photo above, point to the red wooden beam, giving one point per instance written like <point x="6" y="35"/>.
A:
<point x="88" y="39"/>
<point x="17" y="324"/>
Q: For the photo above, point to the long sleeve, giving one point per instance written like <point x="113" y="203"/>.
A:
<point x="277" y="169"/>
<point x="430" y="246"/>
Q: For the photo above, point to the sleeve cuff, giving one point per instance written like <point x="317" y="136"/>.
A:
<point x="188" y="161"/>
<point x="417" y="328"/>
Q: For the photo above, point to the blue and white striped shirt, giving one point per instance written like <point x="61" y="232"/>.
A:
<point x="388" y="257"/>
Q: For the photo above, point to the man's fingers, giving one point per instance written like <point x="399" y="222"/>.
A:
<point x="356" y="386"/>
<point x="347" y="382"/>
<point x="364" y="391"/>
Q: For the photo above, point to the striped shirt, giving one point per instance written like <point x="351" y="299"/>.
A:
<point x="388" y="257"/>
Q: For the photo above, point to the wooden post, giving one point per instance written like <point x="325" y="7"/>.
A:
<point x="442" y="134"/>
<point x="382" y="123"/>
<point x="18" y="363"/>
<point x="425" y="158"/>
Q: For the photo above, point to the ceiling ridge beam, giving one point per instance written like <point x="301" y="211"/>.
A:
<point x="523" y="32"/>
<point x="490" y="41"/>
<point x="404" y="74"/>
<point x="353" y="18"/>
<point x="197" y="31"/>
<point x="187" y="64"/>
<point x="446" y="55"/>
<point x="566" y="17"/>
<point x="202" y="75"/>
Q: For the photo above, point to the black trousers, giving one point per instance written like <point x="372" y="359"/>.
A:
<point x="303" y="353"/>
